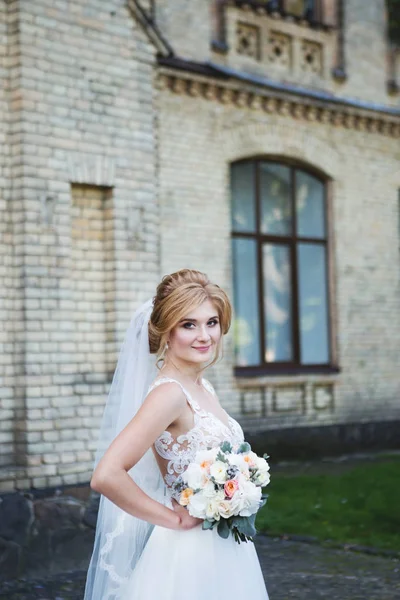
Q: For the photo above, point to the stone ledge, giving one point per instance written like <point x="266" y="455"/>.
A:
<point x="222" y="85"/>
<point x="244" y="383"/>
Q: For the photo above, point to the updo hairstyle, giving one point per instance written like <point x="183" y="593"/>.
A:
<point x="176" y="295"/>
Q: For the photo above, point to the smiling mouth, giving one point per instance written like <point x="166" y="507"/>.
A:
<point x="201" y="348"/>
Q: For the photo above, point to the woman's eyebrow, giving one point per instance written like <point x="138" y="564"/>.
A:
<point x="195" y="320"/>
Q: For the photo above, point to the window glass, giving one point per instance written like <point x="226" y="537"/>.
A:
<point x="314" y="345"/>
<point x="243" y="197"/>
<point x="245" y="325"/>
<point x="277" y="303"/>
<point x="310" y="206"/>
<point x="275" y="192"/>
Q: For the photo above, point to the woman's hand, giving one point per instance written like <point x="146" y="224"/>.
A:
<point x="186" y="520"/>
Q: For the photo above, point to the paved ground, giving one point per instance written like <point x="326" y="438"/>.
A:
<point x="311" y="572"/>
<point x="293" y="570"/>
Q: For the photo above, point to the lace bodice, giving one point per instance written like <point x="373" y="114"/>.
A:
<point x="208" y="431"/>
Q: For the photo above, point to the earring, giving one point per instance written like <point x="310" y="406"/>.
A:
<point x="166" y="346"/>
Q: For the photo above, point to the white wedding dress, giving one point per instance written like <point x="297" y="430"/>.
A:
<point x="194" y="564"/>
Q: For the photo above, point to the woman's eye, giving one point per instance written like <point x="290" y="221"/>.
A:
<point x="187" y="325"/>
<point x="213" y="322"/>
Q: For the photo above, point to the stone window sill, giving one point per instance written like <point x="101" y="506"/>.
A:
<point x="286" y="378"/>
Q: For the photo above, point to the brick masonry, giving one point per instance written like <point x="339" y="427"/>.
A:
<point x="115" y="171"/>
<point x="79" y="245"/>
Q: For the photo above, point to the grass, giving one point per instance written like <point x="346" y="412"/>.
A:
<point x="358" y="506"/>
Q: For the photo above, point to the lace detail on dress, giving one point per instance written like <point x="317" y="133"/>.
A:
<point x="208" y="431"/>
<point x="119" y="528"/>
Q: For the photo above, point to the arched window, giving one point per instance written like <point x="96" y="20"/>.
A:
<point x="280" y="256"/>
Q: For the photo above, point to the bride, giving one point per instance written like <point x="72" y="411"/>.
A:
<point x="147" y="546"/>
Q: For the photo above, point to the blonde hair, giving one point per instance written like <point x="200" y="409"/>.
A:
<point x="176" y="295"/>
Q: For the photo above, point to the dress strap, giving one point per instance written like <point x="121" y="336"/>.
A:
<point x="208" y="386"/>
<point x="189" y="398"/>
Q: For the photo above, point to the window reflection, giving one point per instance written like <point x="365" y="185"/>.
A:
<point x="243" y="204"/>
<point x="246" y="323"/>
<point x="276" y="216"/>
<point x="313" y="304"/>
<point x="277" y="303"/>
<point x="310" y="206"/>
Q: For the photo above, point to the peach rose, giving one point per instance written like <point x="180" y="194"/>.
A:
<point x="186" y="494"/>
<point x="205" y="464"/>
<point x="230" y="487"/>
<point x="249" y="459"/>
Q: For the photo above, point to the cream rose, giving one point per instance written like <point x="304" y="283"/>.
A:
<point x="250" y="496"/>
<point x="195" y="476"/>
<point x="218" y="471"/>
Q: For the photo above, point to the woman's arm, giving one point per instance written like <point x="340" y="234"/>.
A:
<point x="161" y="408"/>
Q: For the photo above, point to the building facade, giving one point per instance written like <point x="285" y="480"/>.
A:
<point x="257" y="141"/>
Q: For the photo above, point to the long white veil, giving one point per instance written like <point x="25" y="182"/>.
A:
<point x="120" y="537"/>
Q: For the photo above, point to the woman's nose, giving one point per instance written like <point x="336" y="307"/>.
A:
<point x="204" y="334"/>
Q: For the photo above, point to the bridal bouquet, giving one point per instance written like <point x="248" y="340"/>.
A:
<point x="223" y="487"/>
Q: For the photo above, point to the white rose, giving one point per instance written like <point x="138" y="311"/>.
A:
<point x="218" y="471"/>
<point x="238" y="461"/>
<point x="250" y="498"/>
<point x="226" y="509"/>
<point x="195" y="476"/>
<point x="251" y="458"/>
<point x="262" y="464"/>
<point x="209" y="490"/>
<point x="236" y="503"/>
<point x="212" y="509"/>
<point x="263" y="478"/>
<point x="207" y="455"/>
<point x="197" y="506"/>
<point x="231" y="507"/>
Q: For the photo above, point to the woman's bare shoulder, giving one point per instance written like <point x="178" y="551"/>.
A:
<point x="165" y="392"/>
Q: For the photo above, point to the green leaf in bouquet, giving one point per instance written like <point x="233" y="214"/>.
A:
<point x="226" y="447"/>
<point x="207" y="524"/>
<point x="263" y="502"/>
<point x="223" y="528"/>
<point x="240" y="537"/>
<point x="220" y="456"/>
<point x="245" y="525"/>
<point x="243" y="448"/>
<point x="265" y="456"/>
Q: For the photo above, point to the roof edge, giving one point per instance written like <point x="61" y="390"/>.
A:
<point x="162" y="45"/>
<point x="216" y="71"/>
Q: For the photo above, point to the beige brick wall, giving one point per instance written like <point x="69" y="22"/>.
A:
<point x="7" y="405"/>
<point x="199" y="138"/>
<point x="365" y="51"/>
<point x="187" y="26"/>
<point x="86" y="251"/>
<point x="12" y="443"/>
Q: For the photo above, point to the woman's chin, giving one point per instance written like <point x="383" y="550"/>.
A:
<point x="200" y="357"/>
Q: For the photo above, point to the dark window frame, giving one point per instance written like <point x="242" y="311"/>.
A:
<point x="293" y="367"/>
